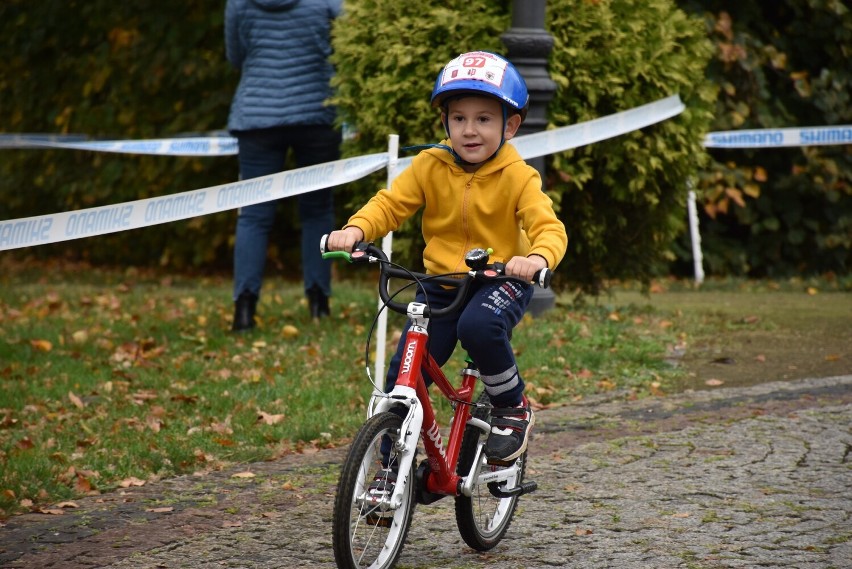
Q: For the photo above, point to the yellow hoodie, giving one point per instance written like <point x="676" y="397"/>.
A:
<point x="501" y="206"/>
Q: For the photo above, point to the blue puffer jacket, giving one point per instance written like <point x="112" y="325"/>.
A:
<point x="281" y="48"/>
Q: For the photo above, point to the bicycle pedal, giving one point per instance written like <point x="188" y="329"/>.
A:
<point x="378" y="520"/>
<point x="525" y="488"/>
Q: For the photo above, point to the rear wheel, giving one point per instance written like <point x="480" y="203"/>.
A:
<point x="483" y="518"/>
<point x="367" y="534"/>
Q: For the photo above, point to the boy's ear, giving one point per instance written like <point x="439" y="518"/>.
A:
<point x="513" y="123"/>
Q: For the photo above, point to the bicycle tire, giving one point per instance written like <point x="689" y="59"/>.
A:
<point x="483" y="518"/>
<point x="364" y="537"/>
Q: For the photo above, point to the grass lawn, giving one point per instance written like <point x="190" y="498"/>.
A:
<point x="113" y="378"/>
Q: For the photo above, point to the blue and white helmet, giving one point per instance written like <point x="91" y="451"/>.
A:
<point x="482" y="73"/>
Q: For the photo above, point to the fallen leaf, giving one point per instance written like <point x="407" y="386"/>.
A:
<point x="761" y="358"/>
<point x="163" y="510"/>
<point x="52" y="511"/>
<point x="67" y="505"/>
<point x="83" y="484"/>
<point x="221" y="428"/>
<point x="288" y="486"/>
<point x="245" y="474"/>
<point x="269" y="419"/>
<point x="80" y="337"/>
<point x="714" y="382"/>
<point x="289" y="331"/>
<point x="78" y="403"/>
<point x="681" y="515"/>
<point x="153" y="423"/>
<point x="41" y="345"/>
<point x="231" y="524"/>
<point x="812" y="291"/>
<point x="132" y="481"/>
<point x="583" y="531"/>
<point x="832" y="357"/>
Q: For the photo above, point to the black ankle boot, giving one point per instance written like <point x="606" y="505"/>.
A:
<point x="244" y="308"/>
<point x="317" y="303"/>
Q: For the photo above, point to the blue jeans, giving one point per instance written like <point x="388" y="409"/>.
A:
<point x="484" y="328"/>
<point x="263" y="152"/>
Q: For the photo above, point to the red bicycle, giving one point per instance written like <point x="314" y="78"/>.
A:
<point x="379" y="482"/>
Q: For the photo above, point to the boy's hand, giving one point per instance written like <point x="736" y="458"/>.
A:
<point x="344" y="239"/>
<point x="523" y="268"/>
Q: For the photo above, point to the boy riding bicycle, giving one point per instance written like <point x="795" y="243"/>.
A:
<point x="475" y="191"/>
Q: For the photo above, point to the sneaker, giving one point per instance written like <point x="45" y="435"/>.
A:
<point x="510" y="429"/>
<point x="380" y="489"/>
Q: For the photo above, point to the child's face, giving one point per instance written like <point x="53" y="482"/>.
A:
<point x="476" y="127"/>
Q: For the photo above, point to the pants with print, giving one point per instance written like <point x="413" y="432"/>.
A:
<point x="484" y="327"/>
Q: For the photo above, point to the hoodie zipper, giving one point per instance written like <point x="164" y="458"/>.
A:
<point x="465" y="225"/>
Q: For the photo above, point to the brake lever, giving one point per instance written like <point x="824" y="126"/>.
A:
<point x="541" y="278"/>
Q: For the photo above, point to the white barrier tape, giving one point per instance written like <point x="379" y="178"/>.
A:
<point x="37" y="140"/>
<point x="189" y="146"/>
<point x="529" y="146"/>
<point x="44" y="229"/>
<point x="778" y="137"/>
<point x="566" y="138"/>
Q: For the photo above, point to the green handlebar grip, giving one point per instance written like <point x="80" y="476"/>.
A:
<point x="337" y="255"/>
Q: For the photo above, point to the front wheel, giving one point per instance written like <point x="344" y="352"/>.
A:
<point x="483" y="518"/>
<point x="366" y="534"/>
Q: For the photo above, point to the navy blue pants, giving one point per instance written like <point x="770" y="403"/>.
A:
<point x="483" y="327"/>
<point x="263" y="152"/>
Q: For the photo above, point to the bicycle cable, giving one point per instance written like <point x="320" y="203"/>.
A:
<point x="415" y="281"/>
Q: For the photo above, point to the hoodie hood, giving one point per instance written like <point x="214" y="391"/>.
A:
<point x="275" y="5"/>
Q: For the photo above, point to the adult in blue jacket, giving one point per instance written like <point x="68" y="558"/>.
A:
<point x="281" y="48"/>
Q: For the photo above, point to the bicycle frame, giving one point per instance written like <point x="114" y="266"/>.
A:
<point x="410" y="390"/>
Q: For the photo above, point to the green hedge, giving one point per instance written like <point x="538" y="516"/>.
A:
<point x="778" y="212"/>
<point x="623" y="200"/>
<point x="143" y="69"/>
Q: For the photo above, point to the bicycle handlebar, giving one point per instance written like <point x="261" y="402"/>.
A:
<point x="365" y="252"/>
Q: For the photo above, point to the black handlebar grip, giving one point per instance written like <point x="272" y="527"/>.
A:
<point x="542" y="278"/>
